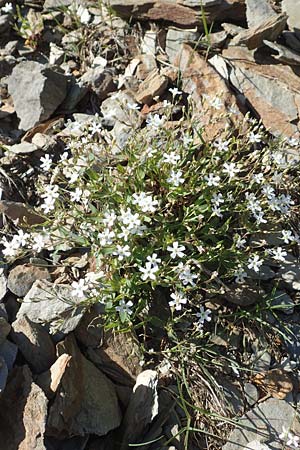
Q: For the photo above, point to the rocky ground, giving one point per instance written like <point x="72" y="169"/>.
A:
<point x="66" y="383"/>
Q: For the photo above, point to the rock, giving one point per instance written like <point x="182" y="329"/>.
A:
<point x="270" y="29"/>
<point x="146" y="65"/>
<point x="271" y="89"/>
<point x="86" y="401"/>
<point x="52" y="305"/>
<point x="292" y="9"/>
<point x="90" y="330"/>
<point x="56" y="55"/>
<point x="290" y="272"/>
<point x="153" y="86"/>
<point x="12" y="307"/>
<point x="264" y="423"/>
<point x="8" y="351"/>
<point x="101" y="80"/>
<point x="265" y="273"/>
<point x="74" y="443"/>
<point x="261" y="359"/>
<point x="142" y="408"/>
<point x="50" y="380"/>
<point x="258" y="11"/>
<point x="291" y="339"/>
<point x="34" y="343"/>
<point x="285" y="55"/>
<point x="3" y="284"/>
<point x="251" y="393"/>
<point x="149" y="42"/>
<point x="23" y="148"/>
<point x="233" y="395"/>
<point x="176" y="37"/>
<point x="119" y="357"/>
<point x="22" y="277"/>
<point x="4" y="329"/>
<point x="243" y="294"/>
<point x="283" y="302"/>
<point x="23" y="412"/>
<point x="4" y="23"/>
<point x="185" y="13"/>
<point x="53" y="4"/>
<point x="3" y="374"/>
<point x="206" y="89"/>
<point x="20" y="212"/>
<point x="291" y="40"/>
<point x="114" y="109"/>
<point x="43" y="96"/>
<point x="3" y="312"/>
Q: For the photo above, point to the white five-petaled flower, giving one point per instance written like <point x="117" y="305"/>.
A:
<point x="106" y="237"/>
<point x="122" y="252"/>
<point x="230" y="169"/>
<point x="175" y="178"/>
<point x="124" y="307"/>
<point x="240" y="275"/>
<point x="204" y="315"/>
<point x="83" y="15"/>
<point x="171" y="158"/>
<point x="7" y="8"/>
<point x="212" y="179"/>
<point x="175" y="91"/>
<point x="254" y="137"/>
<point x="179" y="299"/>
<point x="133" y="106"/>
<point x="79" y="288"/>
<point x="222" y="146"/>
<point x="149" y="271"/>
<point x="287" y="236"/>
<point x="153" y="259"/>
<point x="239" y="241"/>
<point x="255" y="263"/>
<point x="46" y="162"/>
<point x="76" y="195"/>
<point x="176" y="251"/>
<point x="279" y="254"/>
<point x="145" y="202"/>
<point x="155" y="121"/>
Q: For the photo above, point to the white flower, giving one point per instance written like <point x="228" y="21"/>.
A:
<point x="222" y="146"/>
<point x="230" y="169"/>
<point x="109" y="218"/>
<point x="174" y="91"/>
<point x="176" y="250"/>
<point x="106" y="237"/>
<point x="212" y="179"/>
<point x="216" y="211"/>
<point x="79" y="288"/>
<point x="277" y="177"/>
<point x="239" y="241"/>
<point x="76" y="195"/>
<point x="171" y="158"/>
<point x="203" y="315"/>
<point x="178" y="300"/>
<point x="279" y="254"/>
<point x="7" y="8"/>
<point x="185" y="275"/>
<point x="154" y="121"/>
<point x="46" y="162"/>
<point x="145" y="202"/>
<point x="258" y="178"/>
<point x="216" y="102"/>
<point x="124" y="307"/>
<point x="39" y="242"/>
<point x="284" y="433"/>
<point x="240" y="275"/>
<point x="217" y="199"/>
<point x="122" y="252"/>
<point x="153" y="259"/>
<point x="148" y="271"/>
<point x="175" y="178"/>
<point x="254" y="137"/>
<point x="133" y="106"/>
<point x="255" y="263"/>
<point x="287" y="236"/>
<point x="11" y="247"/>
<point x="293" y="440"/>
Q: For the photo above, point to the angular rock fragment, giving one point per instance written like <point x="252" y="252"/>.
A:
<point x="292" y="9"/>
<point x="258" y="11"/>
<point x="285" y="55"/>
<point x="35" y="102"/>
<point x="209" y="93"/>
<point x="86" y="401"/>
<point x="23" y="412"/>
<point x="176" y="37"/>
<point x="3" y="374"/>
<point x="264" y="424"/>
<point x="154" y="85"/>
<point x="273" y="90"/>
<point x="20" y="212"/>
<point x="8" y="351"/>
<point x="270" y="29"/>
<point x="22" y="277"/>
<point x="142" y="408"/>
<point x="50" y="380"/>
<point x="34" y="343"/>
<point x="4" y="329"/>
<point x="52" y="306"/>
<point x="3" y="284"/>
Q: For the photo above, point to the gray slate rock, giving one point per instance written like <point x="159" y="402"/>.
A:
<point x="34" y="343"/>
<point x="264" y="424"/>
<point x="4" y="23"/>
<point x="283" y="302"/>
<point x="3" y="374"/>
<point x="3" y="312"/>
<point x="290" y="272"/>
<point x="251" y="393"/>
<point x="53" y="306"/>
<point x="257" y="11"/>
<point x="4" y="329"/>
<point x="3" y="284"/>
<point x="292" y="8"/>
<point x="37" y="91"/>
<point x="8" y="351"/>
<point x="176" y="37"/>
<point x="22" y="277"/>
